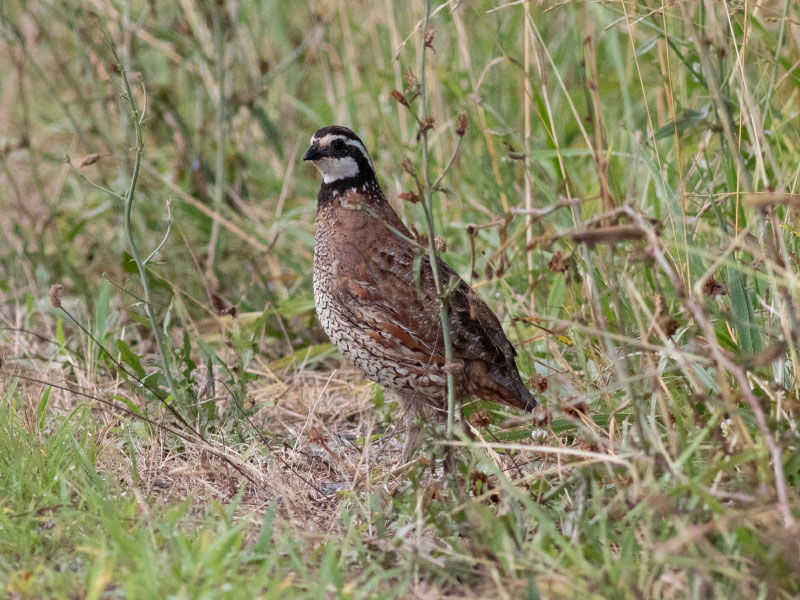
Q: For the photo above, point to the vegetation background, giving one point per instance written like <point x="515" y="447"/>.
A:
<point x="625" y="196"/>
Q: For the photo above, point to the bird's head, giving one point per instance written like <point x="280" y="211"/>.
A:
<point x="340" y="156"/>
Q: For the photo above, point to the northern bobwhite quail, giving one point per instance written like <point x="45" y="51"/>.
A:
<point x="381" y="310"/>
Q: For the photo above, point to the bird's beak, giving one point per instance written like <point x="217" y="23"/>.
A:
<point x="312" y="153"/>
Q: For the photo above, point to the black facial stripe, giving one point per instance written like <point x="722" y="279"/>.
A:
<point x="350" y="151"/>
<point x="363" y="163"/>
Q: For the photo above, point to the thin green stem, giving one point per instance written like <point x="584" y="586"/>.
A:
<point x="85" y="179"/>
<point x="719" y="102"/>
<point x="394" y="230"/>
<point x="164" y="239"/>
<point x="140" y="265"/>
<point x="219" y="168"/>
<point x="427" y="204"/>
<point x="438" y="182"/>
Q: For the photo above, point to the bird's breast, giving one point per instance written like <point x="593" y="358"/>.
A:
<point x="356" y="320"/>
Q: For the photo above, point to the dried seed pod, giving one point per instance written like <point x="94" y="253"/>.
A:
<point x="558" y="264"/>
<point x="400" y="98"/>
<point x="461" y="124"/>
<point x="55" y="295"/>
<point x="409" y="197"/>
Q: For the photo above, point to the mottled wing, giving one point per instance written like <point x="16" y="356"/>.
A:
<point x="396" y="285"/>
<point x="477" y="332"/>
<point x="381" y="299"/>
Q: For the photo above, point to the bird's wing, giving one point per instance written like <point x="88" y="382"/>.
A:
<point x="393" y="291"/>
<point x="476" y="330"/>
<point x="390" y="316"/>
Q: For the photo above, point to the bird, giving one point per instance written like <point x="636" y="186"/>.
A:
<point x="376" y="297"/>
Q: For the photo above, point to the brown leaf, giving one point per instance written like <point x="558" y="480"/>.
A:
<point x="608" y="235"/>
<point x="90" y="160"/>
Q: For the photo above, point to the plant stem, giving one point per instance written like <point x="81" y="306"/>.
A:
<point x="433" y="255"/>
<point x="219" y="167"/>
<point x="435" y="185"/>
<point x="148" y="305"/>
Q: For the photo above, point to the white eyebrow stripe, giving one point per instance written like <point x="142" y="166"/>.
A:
<point x="326" y="139"/>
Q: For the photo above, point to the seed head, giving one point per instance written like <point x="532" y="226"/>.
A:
<point x="558" y="264"/>
<point x="429" y="35"/>
<point x="461" y="124"/>
<point x="55" y="295"/>
<point x="425" y="126"/>
<point x="480" y="418"/>
<point x="408" y="167"/>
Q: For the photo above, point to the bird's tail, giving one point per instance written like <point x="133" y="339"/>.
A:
<point x="513" y="390"/>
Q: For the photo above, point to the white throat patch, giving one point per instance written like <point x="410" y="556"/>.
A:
<point x="334" y="169"/>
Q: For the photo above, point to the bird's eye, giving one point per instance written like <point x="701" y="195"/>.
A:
<point x="338" y="145"/>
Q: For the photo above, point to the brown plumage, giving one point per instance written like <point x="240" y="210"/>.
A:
<point x="381" y="309"/>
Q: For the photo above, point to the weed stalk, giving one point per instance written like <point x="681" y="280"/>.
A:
<point x="137" y="119"/>
<point x="433" y="254"/>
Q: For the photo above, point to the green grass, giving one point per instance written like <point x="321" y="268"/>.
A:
<point x="625" y="197"/>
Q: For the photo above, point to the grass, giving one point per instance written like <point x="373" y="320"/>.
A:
<point x="624" y="196"/>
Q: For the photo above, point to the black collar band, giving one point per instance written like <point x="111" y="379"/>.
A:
<point x="346" y="183"/>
